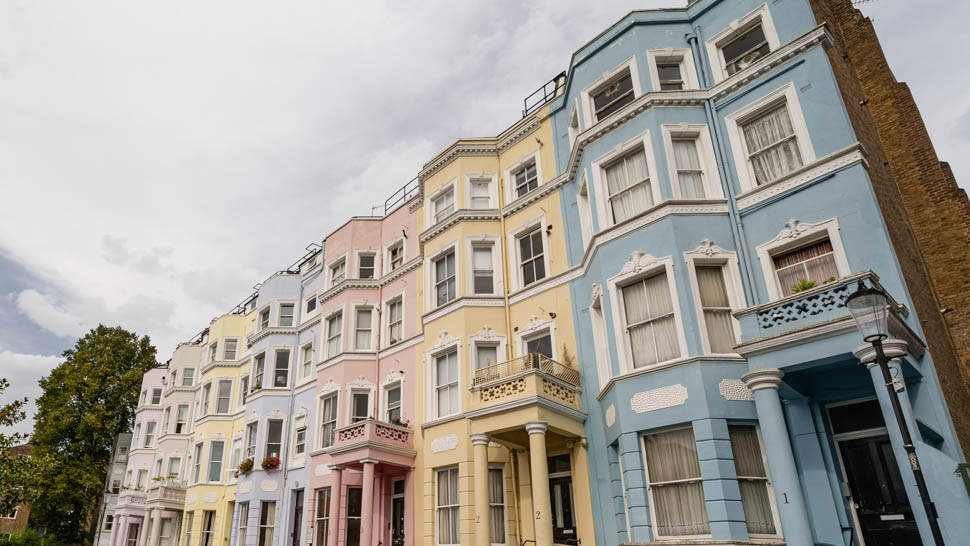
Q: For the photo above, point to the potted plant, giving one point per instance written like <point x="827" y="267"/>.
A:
<point x="802" y="285"/>
<point x="246" y="466"/>
<point x="400" y="422"/>
<point x="270" y="463"/>
<point x="256" y="387"/>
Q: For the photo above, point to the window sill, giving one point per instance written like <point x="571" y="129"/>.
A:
<point x="665" y="366"/>
<point x="442" y="420"/>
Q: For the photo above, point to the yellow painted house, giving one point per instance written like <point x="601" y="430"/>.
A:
<point x="214" y="453"/>
<point x="501" y="438"/>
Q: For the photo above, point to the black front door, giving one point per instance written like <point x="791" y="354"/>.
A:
<point x="297" y="517"/>
<point x="878" y="493"/>
<point x="563" y="524"/>
<point x="397" y="521"/>
<point x="353" y="515"/>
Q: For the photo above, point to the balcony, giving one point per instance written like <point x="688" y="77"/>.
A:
<point x="372" y="439"/>
<point x="170" y="492"/>
<point x="532" y="376"/>
<point x="132" y="498"/>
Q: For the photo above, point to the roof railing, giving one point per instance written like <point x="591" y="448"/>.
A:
<point x="544" y="94"/>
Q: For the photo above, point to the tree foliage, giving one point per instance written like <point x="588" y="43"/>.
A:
<point x="88" y="400"/>
<point x="16" y="471"/>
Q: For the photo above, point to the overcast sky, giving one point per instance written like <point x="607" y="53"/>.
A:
<point x="158" y="159"/>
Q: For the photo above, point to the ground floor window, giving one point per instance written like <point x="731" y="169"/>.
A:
<point x="752" y="479"/>
<point x="447" y="506"/>
<point x="496" y="503"/>
<point x="243" y="523"/>
<point x="208" y="526"/>
<point x="323" y="516"/>
<point x="674" y="484"/>
<point x="353" y="516"/>
<point x="189" y="520"/>
<point x="267" y="521"/>
<point x="165" y="531"/>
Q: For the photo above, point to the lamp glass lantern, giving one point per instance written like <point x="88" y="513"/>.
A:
<point x="870" y="310"/>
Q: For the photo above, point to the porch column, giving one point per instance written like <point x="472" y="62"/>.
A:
<point x="581" y="490"/>
<point x="781" y="461"/>
<point x="526" y="514"/>
<point x="335" y="490"/>
<point x="540" y="481"/>
<point x="367" y="504"/>
<point x="143" y="531"/>
<point x="156" y="527"/>
<point x="483" y="527"/>
<point x="118" y="529"/>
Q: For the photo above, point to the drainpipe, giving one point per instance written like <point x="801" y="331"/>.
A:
<point x="737" y="227"/>
<point x="510" y="337"/>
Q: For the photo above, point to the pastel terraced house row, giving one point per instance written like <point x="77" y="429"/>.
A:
<point x="622" y="320"/>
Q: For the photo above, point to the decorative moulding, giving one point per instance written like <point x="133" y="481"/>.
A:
<point x="638" y="262"/>
<point x="360" y="383"/>
<point x="329" y="387"/>
<point x="734" y="389"/>
<point x="191" y="498"/>
<point x="244" y="487"/>
<point x="210" y="498"/>
<point x="269" y="485"/>
<point x="444" y="340"/>
<point x="302" y="412"/>
<point x="610" y="416"/>
<point x="321" y="470"/>
<point x="655" y="399"/>
<point x="486" y="333"/>
<point x="596" y="295"/>
<point x="444" y="443"/>
<point x="709" y="249"/>
<point x="276" y="414"/>
<point x="392" y="377"/>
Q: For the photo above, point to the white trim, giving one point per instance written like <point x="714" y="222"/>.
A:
<point x="313" y="358"/>
<point x="390" y="381"/>
<point x="573" y="124"/>
<point x="443" y="346"/>
<point x="586" y="95"/>
<point x="714" y="44"/>
<point x="492" y="180"/>
<point x="359" y="386"/>
<point x="486" y="336"/>
<point x="733" y="122"/>
<point x="521" y="163"/>
<point x="325" y="332"/>
<point x="375" y="252"/>
<point x="394" y="243"/>
<point x="798" y="235"/>
<point x="641" y="266"/>
<point x="429" y="268"/>
<point x="709" y="254"/>
<point x="493" y="242"/>
<point x="333" y="263"/>
<point x="705" y="155"/>
<point x="386" y="314"/>
<point x="536" y="329"/>
<point x="355" y="307"/>
<point x="601" y="344"/>
<point x="584" y="207"/>
<point x="435" y="523"/>
<point x="429" y="212"/>
<point x="598" y="164"/>
<point x="526" y="227"/>
<point x="683" y="57"/>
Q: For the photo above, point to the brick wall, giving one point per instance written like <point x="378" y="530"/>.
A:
<point x="10" y="526"/>
<point x="928" y="216"/>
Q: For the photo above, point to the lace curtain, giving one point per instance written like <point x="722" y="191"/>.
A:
<point x="688" y="169"/>
<point x="448" y="506"/>
<point x="772" y="146"/>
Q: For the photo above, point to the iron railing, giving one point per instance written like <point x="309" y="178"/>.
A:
<point x="403" y="193"/>
<point x="525" y="363"/>
<point x="550" y="90"/>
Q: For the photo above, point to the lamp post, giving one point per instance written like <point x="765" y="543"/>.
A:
<point x="870" y="310"/>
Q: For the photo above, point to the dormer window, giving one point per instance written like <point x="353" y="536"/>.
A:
<point x="613" y="95"/>
<point x="745" y="49"/>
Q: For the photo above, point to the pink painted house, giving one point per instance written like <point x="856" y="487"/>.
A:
<point x="363" y="457"/>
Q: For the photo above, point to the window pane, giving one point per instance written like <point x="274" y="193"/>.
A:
<point x="679" y="506"/>
<point x="614" y="96"/>
<point x="772" y="146"/>
<point x="540" y="345"/>
<point x="361" y="407"/>
<point x="688" y="169"/>
<point x="814" y="263"/>
<point x="487" y="355"/>
<point x="746" y="49"/>
<point x="754" y="492"/>
<point x="282" y="370"/>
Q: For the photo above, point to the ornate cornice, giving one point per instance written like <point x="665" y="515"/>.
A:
<point x="309" y="324"/>
<point x="410" y="265"/>
<point x="480" y="147"/>
<point x="253" y="337"/>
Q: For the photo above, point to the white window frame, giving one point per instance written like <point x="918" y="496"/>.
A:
<point x="373" y="326"/>
<point x="316" y="306"/>
<point x="353" y="390"/>
<point x="505" y="503"/>
<point x="431" y="356"/>
<point x="168" y="468"/>
<point x="289" y="367"/>
<point x="334" y="313"/>
<point x="735" y="28"/>
<point x="185" y="423"/>
<point x="219" y="382"/>
<point x="603" y="211"/>
<point x="395" y="298"/>
<point x="279" y="314"/>
<point x="151" y="400"/>
<point x="492" y="242"/>
<point x="649" y="490"/>
<point x="573" y="124"/>
<point x="225" y="345"/>
<point x="339" y="260"/>
<point x="151" y="434"/>
<point x="705" y="156"/>
<point x="489" y="338"/>
<point x="259" y="374"/>
<point x="537" y="330"/>
<point x="682" y="57"/>
<point x="647" y="267"/>
<point x="283" y="438"/>
<point x="735" y="121"/>
<point x="243" y="390"/>
<point x="209" y="461"/>
<point x="586" y="96"/>
<point x="429" y="263"/>
<point x="521" y="163"/>
<point x="437" y="472"/>
<point x="440" y="191"/>
<point x="707" y="256"/>
<point x="491" y="179"/>
<point x="213" y="352"/>
<point x="301" y="423"/>
<point x="197" y="456"/>
<point x="792" y="239"/>
<point x="768" y="482"/>
<point x="372" y="252"/>
<point x="394" y="382"/>
<point x="251" y="440"/>
<point x="601" y="346"/>
<point x="584" y="207"/>
<point x="321" y="399"/>
<point x="191" y="377"/>
<point x="269" y="317"/>
<point x="521" y="230"/>
<point x="304" y="372"/>
<point x="396" y="243"/>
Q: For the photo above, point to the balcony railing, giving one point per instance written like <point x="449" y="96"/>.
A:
<point x="525" y="363"/>
<point x="550" y="90"/>
<point x="168" y="490"/>
<point x="375" y="432"/>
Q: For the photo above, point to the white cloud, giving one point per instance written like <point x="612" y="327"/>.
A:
<point x="23" y="371"/>
<point x="41" y="309"/>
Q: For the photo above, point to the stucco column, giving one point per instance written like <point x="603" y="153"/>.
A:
<point x="483" y="527"/>
<point x="526" y="514"/>
<point x="143" y="531"/>
<point x="367" y="504"/>
<point x="117" y="530"/>
<point x="540" y="481"/>
<point x="781" y="461"/>
<point x="335" y="490"/>
<point x="156" y="527"/>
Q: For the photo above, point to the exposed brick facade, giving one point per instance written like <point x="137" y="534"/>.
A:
<point x="927" y="214"/>
<point x="18" y="524"/>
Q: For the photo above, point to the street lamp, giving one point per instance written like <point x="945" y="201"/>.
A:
<point x="869" y="307"/>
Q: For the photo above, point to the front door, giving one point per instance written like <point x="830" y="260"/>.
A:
<point x="878" y="494"/>
<point x="397" y="513"/>
<point x="561" y="495"/>
<point x="132" y="539"/>
<point x="297" y="517"/>
<point x="353" y="516"/>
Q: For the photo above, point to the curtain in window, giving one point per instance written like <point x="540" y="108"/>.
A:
<point x="650" y="321"/>
<point x="628" y="183"/>
<point x="752" y="479"/>
<point x="688" y="169"/>
<point x="448" y="507"/>
<point x="363" y="329"/>
<point x="447" y="383"/>
<point x="717" y="308"/>
<point x="772" y="146"/>
<point x="679" y="505"/>
<point x="496" y="497"/>
<point x="815" y="263"/>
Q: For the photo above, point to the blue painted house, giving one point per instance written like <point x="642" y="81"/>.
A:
<point x="721" y="209"/>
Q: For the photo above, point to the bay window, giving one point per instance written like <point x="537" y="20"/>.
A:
<point x="281" y="369"/>
<point x="628" y="186"/>
<point x="216" y="448"/>
<point x="531" y="257"/>
<point x="286" y="314"/>
<point x="613" y="95"/>
<point x="443" y="205"/>
<point x="749" y="464"/>
<point x="444" y="279"/>
<point x="274" y="438"/>
<point x="674" y="484"/>
<point x="715" y="308"/>
<point x="482" y="269"/>
<point x="650" y="321"/>
<point x="772" y="145"/>
<point x="362" y="329"/>
<point x="525" y="179"/>
<point x="446" y="384"/>
<point x="328" y="419"/>
<point x="223" y="396"/>
<point x="447" y="507"/>
<point x="334" y="333"/>
<point x="395" y="321"/>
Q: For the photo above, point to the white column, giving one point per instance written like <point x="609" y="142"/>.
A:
<point x="143" y="532"/>
<point x="483" y="528"/>
<point x="118" y="530"/>
<point x="540" y="481"/>
<point x="156" y="527"/>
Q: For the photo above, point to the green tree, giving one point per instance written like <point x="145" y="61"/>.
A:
<point x="87" y="401"/>
<point x="16" y="472"/>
